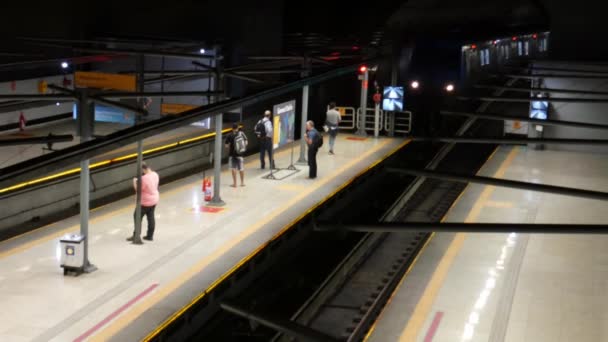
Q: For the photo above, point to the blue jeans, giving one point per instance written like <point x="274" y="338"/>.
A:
<point x="332" y="138"/>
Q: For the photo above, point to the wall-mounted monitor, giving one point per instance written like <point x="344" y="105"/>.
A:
<point x="392" y="99"/>
<point x="538" y="110"/>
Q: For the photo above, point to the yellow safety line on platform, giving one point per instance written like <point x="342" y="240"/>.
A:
<point x="105" y="162"/>
<point x="499" y="204"/>
<point x="425" y="304"/>
<point x="411" y="266"/>
<point x="43" y="239"/>
<point x="121" y="322"/>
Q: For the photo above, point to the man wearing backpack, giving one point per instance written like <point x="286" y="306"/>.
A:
<point x="263" y="130"/>
<point x="314" y="140"/>
<point x="236" y="142"/>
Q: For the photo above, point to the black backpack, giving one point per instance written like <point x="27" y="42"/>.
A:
<point x="319" y="141"/>
<point x="260" y="129"/>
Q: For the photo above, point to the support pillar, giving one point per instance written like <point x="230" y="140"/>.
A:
<point x="138" y="170"/>
<point x="86" y="119"/>
<point x="217" y="163"/>
<point x="302" y="159"/>
<point x="364" y="83"/>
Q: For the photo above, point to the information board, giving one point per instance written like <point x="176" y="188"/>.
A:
<point x="100" y="80"/>
<point x="109" y="114"/>
<point x="284" y="123"/>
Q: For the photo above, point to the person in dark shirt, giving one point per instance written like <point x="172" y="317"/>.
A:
<point x="312" y="136"/>
<point x="236" y="160"/>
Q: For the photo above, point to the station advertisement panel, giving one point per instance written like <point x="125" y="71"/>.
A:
<point x="284" y="123"/>
<point x="109" y="114"/>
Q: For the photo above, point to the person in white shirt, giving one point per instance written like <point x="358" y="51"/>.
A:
<point x="332" y="121"/>
<point x="264" y="132"/>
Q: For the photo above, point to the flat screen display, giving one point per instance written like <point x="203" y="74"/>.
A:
<point x="538" y="110"/>
<point x="392" y="99"/>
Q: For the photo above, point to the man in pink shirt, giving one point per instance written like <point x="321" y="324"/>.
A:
<point x="149" y="199"/>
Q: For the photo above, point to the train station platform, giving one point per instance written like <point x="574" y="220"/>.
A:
<point x="136" y="288"/>
<point x="511" y="287"/>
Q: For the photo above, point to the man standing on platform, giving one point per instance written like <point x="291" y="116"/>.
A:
<point x="264" y="131"/>
<point x="149" y="199"/>
<point x="236" y="142"/>
<point x="332" y="121"/>
<point x="313" y="139"/>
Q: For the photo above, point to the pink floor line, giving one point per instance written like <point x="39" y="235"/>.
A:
<point x="115" y="313"/>
<point x="434" y="326"/>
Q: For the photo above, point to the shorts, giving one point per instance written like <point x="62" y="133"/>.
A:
<point x="237" y="163"/>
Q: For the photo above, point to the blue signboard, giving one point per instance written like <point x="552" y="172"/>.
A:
<point x="110" y="114"/>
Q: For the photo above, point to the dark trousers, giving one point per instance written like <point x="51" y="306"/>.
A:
<point x="149" y="213"/>
<point x="266" y="146"/>
<point x="312" y="162"/>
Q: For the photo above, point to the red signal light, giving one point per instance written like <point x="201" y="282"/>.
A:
<point x="514" y="38"/>
<point x="473" y="46"/>
<point x="535" y="36"/>
<point x="363" y="69"/>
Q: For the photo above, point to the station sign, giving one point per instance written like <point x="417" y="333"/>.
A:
<point x="99" y="80"/>
<point x="175" y="108"/>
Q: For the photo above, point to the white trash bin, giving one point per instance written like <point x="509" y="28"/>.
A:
<point x="72" y="252"/>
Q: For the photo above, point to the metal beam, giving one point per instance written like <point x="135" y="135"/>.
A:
<point x="527" y="228"/>
<point x="536" y="68"/>
<point x="272" y="58"/>
<point x="537" y="76"/>
<point x="269" y="72"/>
<point x="133" y="95"/>
<point x="42" y="165"/>
<point x="158" y="53"/>
<point x="270" y="64"/>
<point x="45" y="97"/>
<point x="529" y="99"/>
<point x="296" y="330"/>
<point x="36" y="140"/>
<point x="542" y="90"/>
<point x="601" y="142"/>
<point x="503" y="183"/>
<point x="526" y="119"/>
<point x="228" y="73"/>
<point x="171" y="72"/>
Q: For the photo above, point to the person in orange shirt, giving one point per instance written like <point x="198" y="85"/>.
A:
<point x="149" y="199"/>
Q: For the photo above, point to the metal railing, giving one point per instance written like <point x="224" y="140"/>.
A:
<point x="369" y="119"/>
<point x="403" y="122"/>
<point x="347" y="117"/>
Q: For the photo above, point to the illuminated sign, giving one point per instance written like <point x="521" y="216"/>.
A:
<point x="86" y="79"/>
<point x="175" y="108"/>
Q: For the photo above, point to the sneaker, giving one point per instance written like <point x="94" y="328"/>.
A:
<point x="130" y="238"/>
<point x="147" y="238"/>
<point x="331" y="152"/>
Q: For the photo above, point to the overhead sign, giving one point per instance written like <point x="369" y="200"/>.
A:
<point x="175" y="108"/>
<point x="87" y="79"/>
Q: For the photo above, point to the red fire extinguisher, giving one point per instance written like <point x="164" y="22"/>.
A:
<point x="207" y="189"/>
<point x="22" y="122"/>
